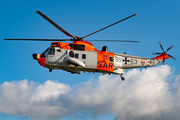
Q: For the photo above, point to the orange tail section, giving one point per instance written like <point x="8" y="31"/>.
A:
<point x="162" y="56"/>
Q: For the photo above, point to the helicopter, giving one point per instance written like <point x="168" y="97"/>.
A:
<point x="82" y="56"/>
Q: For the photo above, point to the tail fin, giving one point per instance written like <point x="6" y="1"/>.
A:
<point x="162" y="57"/>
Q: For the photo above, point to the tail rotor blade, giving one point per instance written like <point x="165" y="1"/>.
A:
<point x="161" y="46"/>
<point x="172" y="57"/>
<point x="156" y="53"/>
<point x="169" y="48"/>
<point x="163" y="60"/>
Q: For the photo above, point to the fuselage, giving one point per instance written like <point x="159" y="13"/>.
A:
<point x="75" y="58"/>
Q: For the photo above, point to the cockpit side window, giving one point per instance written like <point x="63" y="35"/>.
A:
<point x="51" y="51"/>
<point x="58" y="50"/>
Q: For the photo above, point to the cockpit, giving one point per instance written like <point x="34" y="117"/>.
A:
<point x="51" y="51"/>
<point x="48" y="51"/>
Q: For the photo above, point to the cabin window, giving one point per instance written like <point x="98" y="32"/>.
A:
<point x="58" y="50"/>
<point x="76" y="55"/>
<point x="83" y="56"/>
<point x="51" y="51"/>
<point x="110" y="58"/>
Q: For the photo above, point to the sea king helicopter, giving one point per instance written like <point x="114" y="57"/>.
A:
<point x="81" y="55"/>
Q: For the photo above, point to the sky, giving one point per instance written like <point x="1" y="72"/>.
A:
<point x="29" y="92"/>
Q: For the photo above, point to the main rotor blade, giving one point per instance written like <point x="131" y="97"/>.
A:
<point x="70" y="40"/>
<point x="53" y="23"/>
<point x="109" y="25"/>
<point x="41" y="39"/>
<point x="169" y="48"/>
<point x="161" y="46"/>
<point x="114" y="41"/>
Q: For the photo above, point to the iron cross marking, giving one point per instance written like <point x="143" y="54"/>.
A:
<point x="125" y="60"/>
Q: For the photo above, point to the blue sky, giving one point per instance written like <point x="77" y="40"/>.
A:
<point x="156" y="21"/>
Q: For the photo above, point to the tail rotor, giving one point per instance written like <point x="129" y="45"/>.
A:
<point x="163" y="55"/>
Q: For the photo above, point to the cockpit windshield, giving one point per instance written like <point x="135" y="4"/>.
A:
<point x="51" y="51"/>
<point x="43" y="55"/>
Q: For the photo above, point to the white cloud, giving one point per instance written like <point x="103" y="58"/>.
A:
<point x="49" y="89"/>
<point x="145" y="94"/>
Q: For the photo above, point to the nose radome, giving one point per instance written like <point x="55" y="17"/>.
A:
<point x="35" y="56"/>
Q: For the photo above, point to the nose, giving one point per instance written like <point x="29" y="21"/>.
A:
<point x="35" y="56"/>
<point x="40" y="60"/>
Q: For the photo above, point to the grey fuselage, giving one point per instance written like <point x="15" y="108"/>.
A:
<point x="75" y="61"/>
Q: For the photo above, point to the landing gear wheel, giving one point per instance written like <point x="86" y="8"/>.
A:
<point x="122" y="78"/>
<point x="50" y="70"/>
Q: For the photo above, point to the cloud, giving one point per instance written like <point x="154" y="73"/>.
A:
<point x="145" y="94"/>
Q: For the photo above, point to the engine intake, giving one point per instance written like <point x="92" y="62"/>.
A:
<point x="105" y="48"/>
